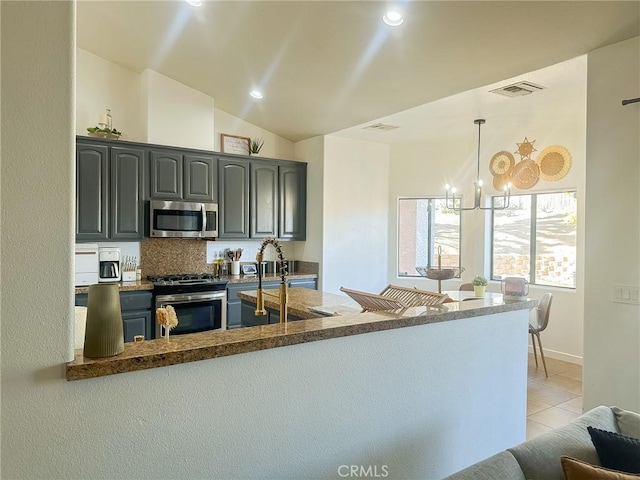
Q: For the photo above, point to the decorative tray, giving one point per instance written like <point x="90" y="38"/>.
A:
<point x="109" y="136"/>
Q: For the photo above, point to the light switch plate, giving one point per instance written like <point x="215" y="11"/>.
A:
<point x="629" y="294"/>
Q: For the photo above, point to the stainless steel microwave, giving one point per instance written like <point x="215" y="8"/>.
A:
<point x="183" y="219"/>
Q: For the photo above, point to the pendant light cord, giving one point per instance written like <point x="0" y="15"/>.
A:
<point x="479" y="122"/>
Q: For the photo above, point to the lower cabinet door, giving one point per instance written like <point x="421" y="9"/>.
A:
<point x="274" y="316"/>
<point x="249" y="318"/>
<point x="136" y="323"/>
<point x="233" y="314"/>
<point x="311" y="283"/>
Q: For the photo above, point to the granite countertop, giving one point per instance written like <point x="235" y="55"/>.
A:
<point x="124" y="286"/>
<point x="233" y="279"/>
<point x="306" y="303"/>
<point x="217" y="343"/>
<point x="268" y="277"/>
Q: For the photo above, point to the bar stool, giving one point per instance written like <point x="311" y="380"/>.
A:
<point x="542" y="320"/>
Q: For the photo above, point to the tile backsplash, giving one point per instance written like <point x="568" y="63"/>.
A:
<point x="249" y="250"/>
<point x="165" y="256"/>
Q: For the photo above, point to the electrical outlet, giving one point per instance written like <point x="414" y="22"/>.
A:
<point x="626" y="294"/>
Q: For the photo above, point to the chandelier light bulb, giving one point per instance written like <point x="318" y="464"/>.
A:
<point x="480" y="183"/>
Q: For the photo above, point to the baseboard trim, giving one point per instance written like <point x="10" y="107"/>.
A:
<point x="565" y="357"/>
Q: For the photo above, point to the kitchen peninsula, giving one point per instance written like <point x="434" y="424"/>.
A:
<point x="437" y="375"/>
<point x="213" y="344"/>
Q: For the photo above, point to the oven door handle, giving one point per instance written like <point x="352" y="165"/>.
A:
<point x="189" y="298"/>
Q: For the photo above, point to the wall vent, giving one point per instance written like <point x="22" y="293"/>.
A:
<point x="380" y="127"/>
<point x="518" y="89"/>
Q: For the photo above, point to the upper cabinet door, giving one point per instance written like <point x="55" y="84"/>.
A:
<point x="264" y="200"/>
<point x="91" y="192"/>
<point x="233" y="192"/>
<point x="166" y="175"/>
<point x="293" y="202"/>
<point x="200" y="178"/>
<point x="126" y="202"/>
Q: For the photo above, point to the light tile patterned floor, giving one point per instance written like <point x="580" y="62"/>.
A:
<point x="554" y="401"/>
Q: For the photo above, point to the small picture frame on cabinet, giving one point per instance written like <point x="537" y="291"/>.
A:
<point x="234" y="144"/>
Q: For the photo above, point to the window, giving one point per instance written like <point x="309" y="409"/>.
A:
<point x="424" y="224"/>
<point x="535" y="238"/>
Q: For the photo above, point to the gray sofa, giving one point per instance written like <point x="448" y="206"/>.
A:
<point x="539" y="458"/>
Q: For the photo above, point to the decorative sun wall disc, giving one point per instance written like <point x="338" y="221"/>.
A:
<point x="499" y="181"/>
<point x="554" y="163"/>
<point x="525" y="174"/>
<point x="501" y="163"/>
<point x="525" y="149"/>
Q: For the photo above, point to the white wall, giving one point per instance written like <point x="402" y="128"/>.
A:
<point x="101" y="84"/>
<point x="273" y="147"/>
<point x="612" y="330"/>
<point x="151" y="107"/>
<point x="176" y="114"/>
<point x="355" y="217"/>
<point x="312" y="152"/>
<point x="419" y="169"/>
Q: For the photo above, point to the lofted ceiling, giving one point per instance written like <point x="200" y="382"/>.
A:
<point x="329" y="66"/>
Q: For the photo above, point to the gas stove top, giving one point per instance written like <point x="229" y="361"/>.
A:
<point x="187" y="279"/>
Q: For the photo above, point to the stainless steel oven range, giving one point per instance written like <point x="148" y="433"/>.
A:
<point x="200" y="301"/>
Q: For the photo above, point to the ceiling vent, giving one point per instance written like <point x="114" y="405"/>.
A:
<point x="380" y="127"/>
<point x="518" y="89"/>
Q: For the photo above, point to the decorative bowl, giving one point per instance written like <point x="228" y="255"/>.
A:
<point x="440" y="273"/>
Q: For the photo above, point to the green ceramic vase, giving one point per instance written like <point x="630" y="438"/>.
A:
<point x="103" y="336"/>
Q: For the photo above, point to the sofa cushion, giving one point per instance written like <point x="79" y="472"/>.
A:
<point x="628" y="422"/>
<point x="539" y="458"/>
<point x="616" y="451"/>
<point x="501" y="465"/>
<point x="578" y="470"/>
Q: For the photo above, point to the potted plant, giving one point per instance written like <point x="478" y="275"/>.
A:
<point x="255" y="144"/>
<point x="479" y="285"/>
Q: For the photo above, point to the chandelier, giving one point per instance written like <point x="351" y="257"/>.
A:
<point x="454" y="202"/>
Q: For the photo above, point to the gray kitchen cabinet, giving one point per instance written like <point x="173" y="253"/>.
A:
<point x="233" y="189"/>
<point x="135" y="308"/>
<point x="109" y="192"/>
<point x="262" y="198"/>
<point x="127" y="190"/>
<point x="91" y="192"/>
<point x="136" y="323"/>
<point x="165" y="168"/>
<point x="293" y="201"/>
<point x="200" y="178"/>
<point x="263" y="194"/>
<point x="249" y="318"/>
<point x="182" y="175"/>
<point x="234" y="304"/>
<point x="311" y="283"/>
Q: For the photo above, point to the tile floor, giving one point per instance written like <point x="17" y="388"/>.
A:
<point x="554" y="401"/>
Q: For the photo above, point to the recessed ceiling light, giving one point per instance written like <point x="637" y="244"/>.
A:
<point x="194" y="3"/>
<point x="256" y="94"/>
<point x="393" y="18"/>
